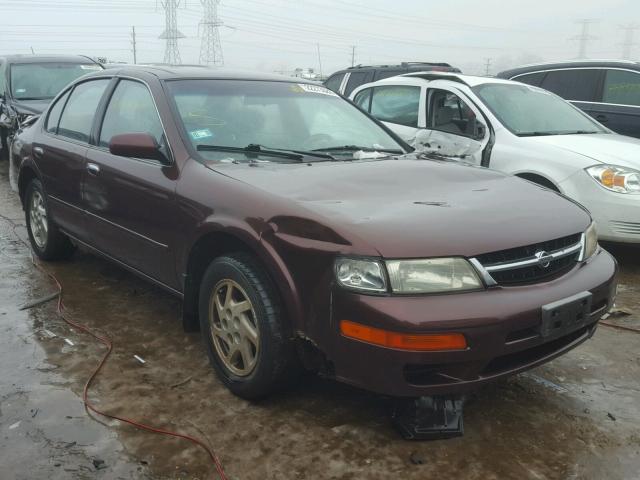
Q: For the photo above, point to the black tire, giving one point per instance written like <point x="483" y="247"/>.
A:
<point x="55" y="244"/>
<point x="4" y="144"/>
<point x="276" y="361"/>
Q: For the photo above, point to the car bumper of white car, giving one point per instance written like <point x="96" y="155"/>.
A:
<point x="617" y="215"/>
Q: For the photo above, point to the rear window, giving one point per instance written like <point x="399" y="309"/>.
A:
<point x="621" y="87"/>
<point x="577" y="84"/>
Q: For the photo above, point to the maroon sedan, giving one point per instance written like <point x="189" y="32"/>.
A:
<point x="301" y="232"/>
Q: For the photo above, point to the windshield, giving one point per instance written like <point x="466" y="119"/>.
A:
<point x="273" y="115"/>
<point x="42" y="81"/>
<point x="527" y="110"/>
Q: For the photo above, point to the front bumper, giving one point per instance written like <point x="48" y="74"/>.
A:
<point x="617" y="216"/>
<point x="501" y="326"/>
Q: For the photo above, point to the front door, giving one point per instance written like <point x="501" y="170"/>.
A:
<point x="129" y="201"/>
<point x="454" y="127"/>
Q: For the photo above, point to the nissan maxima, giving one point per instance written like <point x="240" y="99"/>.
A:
<point x="300" y="232"/>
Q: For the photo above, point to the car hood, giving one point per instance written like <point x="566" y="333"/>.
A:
<point x="417" y="208"/>
<point x="608" y="148"/>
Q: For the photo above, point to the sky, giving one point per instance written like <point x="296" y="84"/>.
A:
<point x="281" y="35"/>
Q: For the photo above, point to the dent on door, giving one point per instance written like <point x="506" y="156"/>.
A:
<point x="447" y="144"/>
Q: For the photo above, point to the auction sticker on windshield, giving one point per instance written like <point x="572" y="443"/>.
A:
<point x="200" y="134"/>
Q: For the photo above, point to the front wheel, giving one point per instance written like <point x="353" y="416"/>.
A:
<point x="47" y="241"/>
<point x="244" y="328"/>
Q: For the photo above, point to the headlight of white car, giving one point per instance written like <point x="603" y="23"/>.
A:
<point x="361" y="274"/>
<point x="434" y="275"/>
<point x="616" y="179"/>
<point x="590" y="241"/>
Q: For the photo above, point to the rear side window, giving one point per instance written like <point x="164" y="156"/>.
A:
<point x="77" y="117"/>
<point x="621" y="87"/>
<point x="531" y="78"/>
<point x="333" y="82"/>
<point x="577" y="84"/>
<point x="54" y="114"/>
<point x="131" y="110"/>
<point x="396" y="104"/>
<point x="355" y="80"/>
<point x="362" y="99"/>
<point x="380" y="74"/>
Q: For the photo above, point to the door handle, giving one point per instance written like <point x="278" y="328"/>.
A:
<point x="602" y="118"/>
<point x="93" y="169"/>
<point x="38" y="151"/>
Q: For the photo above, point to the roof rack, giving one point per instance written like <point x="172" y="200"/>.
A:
<point x="402" y="64"/>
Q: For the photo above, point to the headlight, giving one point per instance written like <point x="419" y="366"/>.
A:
<point x="435" y="275"/>
<point x="590" y="242"/>
<point x="616" y="179"/>
<point x="361" y="274"/>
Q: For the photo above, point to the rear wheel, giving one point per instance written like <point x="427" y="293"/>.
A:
<point x="47" y="241"/>
<point x="244" y="328"/>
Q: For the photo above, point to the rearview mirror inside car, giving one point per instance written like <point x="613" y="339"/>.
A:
<point x="137" y="145"/>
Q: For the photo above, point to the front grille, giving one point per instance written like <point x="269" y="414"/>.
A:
<point x="628" y="228"/>
<point x="500" y="268"/>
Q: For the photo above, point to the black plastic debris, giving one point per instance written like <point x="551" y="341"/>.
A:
<point x="429" y="418"/>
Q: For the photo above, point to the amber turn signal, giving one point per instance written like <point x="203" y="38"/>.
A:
<point x="417" y="342"/>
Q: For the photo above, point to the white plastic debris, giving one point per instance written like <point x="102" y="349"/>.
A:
<point x="15" y="425"/>
<point x="140" y="359"/>
<point x="361" y="154"/>
<point x="69" y="342"/>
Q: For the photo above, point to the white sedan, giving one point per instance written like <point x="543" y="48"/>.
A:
<point x="519" y="129"/>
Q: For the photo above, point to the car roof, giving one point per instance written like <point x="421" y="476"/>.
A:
<point x="175" y="72"/>
<point x="48" y="58"/>
<point x="534" y="67"/>
<point x="420" y="78"/>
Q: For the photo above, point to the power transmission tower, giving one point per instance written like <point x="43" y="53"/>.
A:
<point x="629" y="43"/>
<point x="487" y="66"/>
<point x="171" y="33"/>
<point x="133" y="43"/>
<point x="584" y="37"/>
<point x="211" y="46"/>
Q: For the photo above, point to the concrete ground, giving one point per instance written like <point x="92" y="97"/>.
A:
<point x="577" y="417"/>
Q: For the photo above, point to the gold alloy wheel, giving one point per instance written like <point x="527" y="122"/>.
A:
<point x="38" y="219"/>
<point x="234" y="328"/>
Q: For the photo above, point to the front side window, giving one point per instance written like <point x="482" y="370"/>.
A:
<point x="334" y="82"/>
<point x="42" y="81"/>
<point x="531" y="78"/>
<point x="77" y="118"/>
<point x="276" y="115"/>
<point x="449" y="113"/>
<point x="531" y="111"/>
<point x="621" y="87"/>
<point x="131" y="110"/>
<point x="54" y="114"/>
<point x="578" y="84"/>
<point x="396" y="104"/>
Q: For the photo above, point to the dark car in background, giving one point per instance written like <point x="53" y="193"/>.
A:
<point x="609" y="91"/>
<point x="29" y="82"/>
<point x="265" y="203"/>
<point x="346" y="81"/>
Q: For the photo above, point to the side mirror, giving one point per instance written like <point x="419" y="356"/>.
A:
<point x="137" y="145"/>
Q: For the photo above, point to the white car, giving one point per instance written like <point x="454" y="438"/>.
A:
<point x="518" y="129"/>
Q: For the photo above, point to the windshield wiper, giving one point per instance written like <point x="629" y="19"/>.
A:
<point x="355" y="148"/>
<point x="566" y="132"/>
<point x="254" y="148"/>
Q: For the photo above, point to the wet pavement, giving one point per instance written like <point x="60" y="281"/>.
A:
<point x="577" y="417"/>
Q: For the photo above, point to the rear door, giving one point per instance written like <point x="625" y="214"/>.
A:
<point x="129" y="200"/>
<point x="60" y="153"/>
<point x="619" y="107"/>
